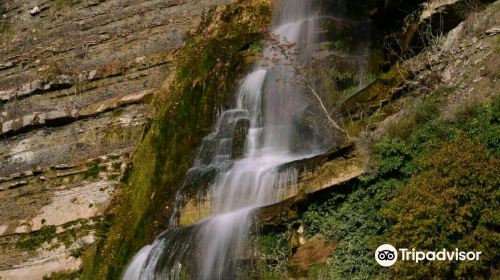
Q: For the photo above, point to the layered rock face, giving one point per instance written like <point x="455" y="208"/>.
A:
<point x="76" y="80"/>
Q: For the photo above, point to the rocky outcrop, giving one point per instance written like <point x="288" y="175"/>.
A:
<point x="60" y="117"/>
<point x="76" y="81"/>
<point x="314" y="251"/>
<point x="322" y="172"/>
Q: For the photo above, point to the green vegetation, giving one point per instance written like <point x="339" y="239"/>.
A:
<point x="63" y="275"/>
<point x="48" y="235"/>
<point x="78" y="251"/>
<point x="257" y="47"/>
<point x="341" y="45"/>
<point x="59" y="4"/>
<point x="436" y="187"/>
<point x="207" y="68"/>
<point x="33" y="241"/>
<point x="93" y="170"/>
<point x="451" y="202"/>
<point x="275" y="246"/>
<point x="6" y="31"/>
<point x="116" y="166"/>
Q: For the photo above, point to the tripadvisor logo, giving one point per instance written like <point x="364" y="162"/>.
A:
<point x="387" y="255"/>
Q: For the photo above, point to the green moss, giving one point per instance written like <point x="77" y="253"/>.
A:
<point x="117" y="113"/>
<point x="69" y="236"/>
<point x="319" y="271"/>
<point x="63" y="275"/>
<point x="78" y="251"/>
<point x="59" y="4"/>
<point x="258" y="46"/>
<point x="341" y="45"/>
<point x="6" y="31"/>
<point x="93" y="170"/>
<point x="207" y="68"/>
<point x="34" y="240"/>
<point x="116" y="166"/>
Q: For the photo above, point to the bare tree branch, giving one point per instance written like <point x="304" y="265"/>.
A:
<point x="300" y="71"/>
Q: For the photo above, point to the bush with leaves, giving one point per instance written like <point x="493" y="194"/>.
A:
<point x="437" y="187"/>
<point x="452" y="202"/>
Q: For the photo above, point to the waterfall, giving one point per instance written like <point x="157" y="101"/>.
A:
<point x="239" y="184"/>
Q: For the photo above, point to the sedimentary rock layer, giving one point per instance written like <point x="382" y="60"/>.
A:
<point x="76" y="81"/>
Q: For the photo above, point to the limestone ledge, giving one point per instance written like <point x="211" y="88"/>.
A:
<point x="62" y="116"/>
<point x="318" y="173"/>
<point x="55" y="82"/>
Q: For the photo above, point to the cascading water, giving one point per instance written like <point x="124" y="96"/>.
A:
<point x="265" y="111"/>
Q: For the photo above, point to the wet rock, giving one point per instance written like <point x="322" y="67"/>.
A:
<point x="207" y="151"/>
<point x="240" y="133"/>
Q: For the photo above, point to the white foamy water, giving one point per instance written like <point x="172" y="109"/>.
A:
<point x="211" y="248"/>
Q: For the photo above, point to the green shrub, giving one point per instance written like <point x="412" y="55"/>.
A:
<point x="437" y="187"/>
<point x="355" y="224"/>
<point x="451" y="203"/>
<point x="275" y="252"/>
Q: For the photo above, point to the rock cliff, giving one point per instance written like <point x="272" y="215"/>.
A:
<point x="76" y="83"/>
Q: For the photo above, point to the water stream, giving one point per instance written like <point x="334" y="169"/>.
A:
<point x="265" y="111"/>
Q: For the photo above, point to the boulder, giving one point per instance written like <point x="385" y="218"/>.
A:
<point x="315" y="251"/>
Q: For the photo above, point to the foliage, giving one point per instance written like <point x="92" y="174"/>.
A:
<point x="419" y="113"/>
<point x="341" y="45"/>
<point x="437" y="187"/>
<point x="452" y="202"/>
<point x="355" y="224"/>
<point x="257" y="47"/>
<point x="274" y="248"/>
